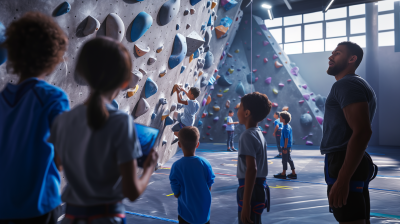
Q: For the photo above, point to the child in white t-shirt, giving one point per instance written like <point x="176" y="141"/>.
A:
<point x="230" y="128"/>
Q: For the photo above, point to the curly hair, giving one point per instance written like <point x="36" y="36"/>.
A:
<point x="35" y="45"/>
<point x="258" y="104"/>
<point x="195" y="91"/>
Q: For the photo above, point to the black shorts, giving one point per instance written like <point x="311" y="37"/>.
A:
<point x="358" y="204"/>
<point x="48" y="218"/>
<point x="182" y="221"/>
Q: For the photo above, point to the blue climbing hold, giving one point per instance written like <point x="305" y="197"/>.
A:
<point x="115" y="104"/>
<point x="140" y="25"/>
<point x="183" y="69"/>
<point x="194" y="2"/>
<point x="153" y="116"/>
<point x="209" y="60"/>
<point x="226" y="21"/>
<point x="168" y="11"/>
<point x="222" y="81"/>
<point x="208" y="3"/>
<point x="240" y="89"/>
<point x="3" y="51"/>
<point x="64" y="8"/>
<point x="186" y="85"/>
<point x="168" y="121"/>
<point x="230" y="4"/>
<point x="251" y="78"/>
<point x="196" y="54"/>
<point x="200" y="123"/>
<point x="150" y="88"/>
<point x="203" y="27"/>
<point x="203" y="82"/>
<point x="178" y="51"/>
<point x="177" y="26"/>
<point x="211" y="81"/>
<point x="210" y="21"/>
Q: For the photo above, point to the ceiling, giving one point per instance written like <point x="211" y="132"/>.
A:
<point x="279" y="8"/>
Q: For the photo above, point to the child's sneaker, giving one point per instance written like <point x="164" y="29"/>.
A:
<point x="292" y="176"/>
<point x="278" y="156"/>
<point x="234" y="150"/>
<point x="229" y="150"/>
<point x="280" y="176"/>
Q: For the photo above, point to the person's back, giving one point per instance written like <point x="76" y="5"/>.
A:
<point x="191" y="179"/>
<point x="189" y="112"/>
<point x="30" y="179"/>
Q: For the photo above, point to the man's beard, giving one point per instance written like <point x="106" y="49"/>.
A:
<point x="335" y="70"/>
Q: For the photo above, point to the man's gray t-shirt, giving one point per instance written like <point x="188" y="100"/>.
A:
<point x="348" y="90"/>
<point x="252" y="143"/>
<point x="90" y="158"/>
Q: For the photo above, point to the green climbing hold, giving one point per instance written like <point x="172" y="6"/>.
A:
<point x="226" y="90"/>
<point x="275" y="91"/>
<point x="231" y="70"/>
<point x="237" y="51"/>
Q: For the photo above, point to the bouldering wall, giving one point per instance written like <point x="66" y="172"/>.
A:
<point x="170" y="41"/>
<point x="265" y="68"/>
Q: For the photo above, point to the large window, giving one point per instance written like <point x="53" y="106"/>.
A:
<point x="318" y="31"/>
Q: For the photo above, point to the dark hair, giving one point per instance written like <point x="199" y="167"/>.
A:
<point x="105" y="64"/>
<point x="195" y="91"/>
<point x="35" y="45"/>
<point x="354" y="49"/>
<point x="189" y="137"/>
<point x="286" y="116"/>
<point x="230" y="111"/>
<point x="277" y="114"/>
<point x="258" y="104"/>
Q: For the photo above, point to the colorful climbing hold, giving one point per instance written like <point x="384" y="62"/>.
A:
<point x="178" y="51"/>
<point x="265" y="43"/>
<point x="200" y="73"/>
<point x="62" y="9"/>
<point x="151" y="60"/>
<point x="237" y="51"/>
<point x="140" y="25"/>
<point x="162" y="73"/>
<point x="219" y="95"/>
<point x="221" y="31"/>
<point x="191" y="58"/>
<point x="173" y="107"/>
<point x="204" y="102"/>
<point x="177" y="26"/>
<point x="289" y="80"/>
<point x="168" y="11"/>
<point x="159" y="49"/>
<point x="229" y="55"/>
<point x="258" y="55"/>
<point x="275" y="56"/>
<point x="204" y="115"/>
<point x="281" y="85"/>
<point x="115" y="27"/>
<point x="259" y="33"/>
<point x="216" y="118"/>
<point x="150" y="88"/>
<point x="274" y="105"/>
<point x="231" y="70"/>
<point x="130" y="92"/>
<point x="92" y="25"/>
<point x="277" y="64"/>
<point x="142" y="71"/>
<point x="228" y="4"/>
<point x="213" y="4"/>
<point x="266" y="126"/>
<point x="301" y="101"/>
<point x="226" y="22"/>
<point x="3" y="51"/>
<point x="268" y="80"/>
<point x="142" y="107"/>
<point x="305" y="119"/>
<point x="228" y="104"/>
<point x="188" y="26"/>
<point x="319" y="119"/>
<point x="251" y="78"/>
<point x="269" y="119"/>
<point x="140" y="50"/>
<point x="208" y="100"/>
<point x="294" y="71"/>
<point x="162" y="101"/>
<point x="192" y="11"/>
<point x="304" y="86"/>
<point x="275" y="91"/>
<point x="186" y="12"/>
<point x="285" y="108"/>
<point x="306" y="96"/>
<point x="226" y="90"/>
<point x="216" y="108"/>
<point x="165" y="114"/>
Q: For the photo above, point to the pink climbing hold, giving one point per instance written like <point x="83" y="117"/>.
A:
<point x="259" y="33"/>
<point x="227" y="43"/>
<point x="268" y="80"/>
<point x="275" y="56"/>
<point x="265" y="43"/>
<point x="309" y="143"/>
<point x="319" y="119"/>
<point x="269" y="119"/>
<point x="245" y="21"/>
<point x="256" y="79"/>
<point x="304" y="138"/>
<point x="264" y="27"/>
<point x="295" y="71"/>
<point x="216" y="70"/>
<point x="258" y="55"/>
<point x="301" y="101"/>
<point x="264" y="132"/>
<point x="265" y="60"/>
<point x="289" y="80"/>
<point x="274" y="105"/>
<point x="281" y="85"/>
<point x="254" y="70"/>
<point x="306" y="96"/>
<point x="308" y="112"/>
<point x="304" y="86"/>
<point x="204" y="102"/>
<point x="266" y="126"/>
<point x="209" y="127"/>
<point x="313" y="99"/>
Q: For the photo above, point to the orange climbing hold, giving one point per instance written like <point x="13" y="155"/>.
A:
<point x="221" y="31"/>
<point x="213" y="4"/>
<point x="191" y="58"/>
<point x="218" y="76"/>
<point x="219" y="95"/>
<point x="200" y="73"/>
<point x="140" y="51"/>
<point x="277" y="64"/>
<point x="228" y="104"/>
<point x="216" y="108"/>
<point x="237" y="106"/>
<point x="285" y="108"/>
<point x="208" y="100"/>
<point x="132" y="91"/>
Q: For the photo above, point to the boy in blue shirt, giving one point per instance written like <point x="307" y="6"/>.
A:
<point x="30" y="182"/>
<point x="277" y="133"/>
<point x="230" y="128"/>
<point x="252" y="169"/>
<point x="286" y="142"/>
<point x="191" y="179"/>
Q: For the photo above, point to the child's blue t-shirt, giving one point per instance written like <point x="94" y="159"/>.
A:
<point x="230" y="127"/>
<point x="278" y="122"/>
<point x="30" y="180"/>
<point x="192" y="177"/>
<point x="286" y="133"/>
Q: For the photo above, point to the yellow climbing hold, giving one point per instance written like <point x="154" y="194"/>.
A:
<point x="226" y="118"/>
<point x="213" y="4"/>
<point x="132" y="91"/>
<point x="275" y="91"/>
<point x="231" y="70"/>
<point x="160" y="49"/>
<point x="219" y="95"/>
<point x="220" y="90"/>
<point x="237" y="51"/>
<point x="163" y="73"/>
<point x="200" y="73"/>
<point x="191" y="58"/>
<point x="226" y="90"/>
<point x="210" y="113"/>
<point x="216" y="108"/>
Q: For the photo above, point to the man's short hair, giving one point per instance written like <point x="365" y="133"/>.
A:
<point x="258" y="104"/>
<point x="230" y="111"/>
<point x="354" y="49"/>
<point x="277" y="114"/>
<point x="286" y="116"/>
<point x="195" y="91"/>
<point x="35" y="45"/>
<point x="189" y="137"/>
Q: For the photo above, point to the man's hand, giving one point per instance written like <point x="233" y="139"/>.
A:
<point x="339" y="193"/>
<point x="246" y="213"/>
<point x="151" y="160"/>
<point x="284" y="151"/>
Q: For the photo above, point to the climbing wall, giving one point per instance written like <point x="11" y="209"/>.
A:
<point x="170" y="41"/>
<point x="255" y="62"/>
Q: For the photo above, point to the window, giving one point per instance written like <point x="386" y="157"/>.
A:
<point x="292" y="20"/>
<point x="385" y="6"/>
<point x="360" y="40"/>
<point x="336" y="13"/>
<point x="313" y="46"/>
<point x="386" y="22"/>
<point x="292" y="34"/>
<point x="313" y="31"/>
<point x="356" y="10"/>
<point x="336" y="29"/>
<point x="294" y="48"/>
<point x="277" y="34"/>
<point x="313" y="17"/>
<point x="386" y="38"/>
<point x="273" y="23"/>
<point x="357" y="26"/>
<point x="331" y="44"/>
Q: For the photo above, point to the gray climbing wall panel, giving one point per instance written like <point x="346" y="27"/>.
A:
<point x="289" y="87"/>
<point x="73" y="23"/>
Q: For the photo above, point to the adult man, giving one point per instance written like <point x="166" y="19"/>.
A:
<point x="349" y="110"/>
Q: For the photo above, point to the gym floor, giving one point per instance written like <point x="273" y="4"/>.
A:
<point x="292" y="201"/>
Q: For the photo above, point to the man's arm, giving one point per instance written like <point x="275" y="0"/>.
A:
<point x="229" y="123"/>
<point x="250" y="179"/>
<point x="357" y="116"/>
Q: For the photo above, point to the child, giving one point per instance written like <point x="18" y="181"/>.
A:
<point x="29" y="189"/>
<point x="191" y="107"/>
<point x="286" y="142"/>
<point x="97" y="143"/>
<point x="277" y="133"/>
<point x="230" y="128"/>
<point x="252" y="169"/>
<point x="191" y="179"/>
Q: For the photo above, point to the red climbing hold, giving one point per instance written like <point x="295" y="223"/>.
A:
<point x="209" y="127"/>
<point x="289" y="80"/>
<point x="216" y="70"/>
<point x="204" y="115"/>
<point x="254" y="70"/>
<point x="301" y="101"/>
<point x="265" y="60"/>
<point x="207" y="133"/>
<point x="274" y="105"/>
<point x="237" y="18"/>
<point x="269" y="119"/>
<point x="267" y="126"/>
<point x="264" y="132"/>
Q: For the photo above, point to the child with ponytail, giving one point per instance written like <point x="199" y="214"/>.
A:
<point x="97" y="144"/>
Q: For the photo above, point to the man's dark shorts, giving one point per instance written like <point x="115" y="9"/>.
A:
<point x="358" y="204"/>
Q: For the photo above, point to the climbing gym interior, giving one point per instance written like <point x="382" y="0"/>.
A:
<point x="227" y="49"/>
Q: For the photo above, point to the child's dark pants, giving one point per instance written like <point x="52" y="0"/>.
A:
<point x="229" y="142"/>
<point x="278" y="140"/>
<point x="287" y="159"/>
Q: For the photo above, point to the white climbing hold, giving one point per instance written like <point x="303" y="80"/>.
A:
<point x="165" y="114"/>
<point x="136" y="77"/>
<point x="92" y="25"/>
<point x="142" y="107"/>
<point x="151" y="61"/>
<point x="115" y="27"/>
